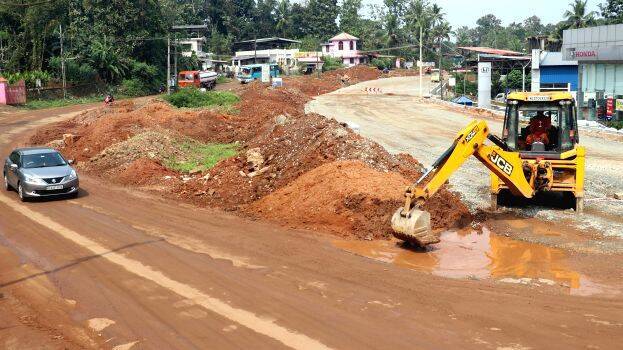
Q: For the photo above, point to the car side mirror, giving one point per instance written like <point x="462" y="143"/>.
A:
<point x="70" y="161"/>
<point x="14" y="166"/>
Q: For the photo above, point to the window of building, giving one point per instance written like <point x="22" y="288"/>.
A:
<point x="340" y="45"/>
<point x="352" y="45"/>
<point x="600" y="77"/>
<point x="352" y="60"/>
<point x="618" y="79"/>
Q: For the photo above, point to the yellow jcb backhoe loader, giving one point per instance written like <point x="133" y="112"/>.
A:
<point x="538" y="151"/>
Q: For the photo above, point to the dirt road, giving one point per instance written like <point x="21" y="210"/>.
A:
<point x="121" y="270"/>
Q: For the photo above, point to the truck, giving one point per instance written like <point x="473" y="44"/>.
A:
<point x="197" y="79"/>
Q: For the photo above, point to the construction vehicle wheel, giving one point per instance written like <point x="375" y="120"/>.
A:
<point x="579" y="205"/>
<point x="494" y="202"/>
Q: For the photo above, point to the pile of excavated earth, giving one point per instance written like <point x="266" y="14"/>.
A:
<point x="301" y="170"/>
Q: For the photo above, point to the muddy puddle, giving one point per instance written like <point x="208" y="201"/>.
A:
<point x="473" y="255"/>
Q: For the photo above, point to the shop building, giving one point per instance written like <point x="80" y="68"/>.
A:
<point x="599" y="53"/>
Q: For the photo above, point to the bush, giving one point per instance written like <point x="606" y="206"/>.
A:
<point x="194" y="98"/>
<point x="222" y="79"/>
<point x="30" y="77"/>
<point x="514" y="79"/>
<point x="133" y="88"/>
<point x="75" y="72"/>
<point x="617" y="124"/>
<point x="382" y="63"/>
<point x="148" y="75"/>
<point x="330" y="63"/>
<point x="470" y="88"/>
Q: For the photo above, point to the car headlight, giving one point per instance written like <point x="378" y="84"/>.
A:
<point x="34" y="180"/>
<point x="72" y="175"/>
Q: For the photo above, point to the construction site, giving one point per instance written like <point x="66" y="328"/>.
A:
<point x="287" y="239"/>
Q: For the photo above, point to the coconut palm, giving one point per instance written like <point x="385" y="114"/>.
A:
<point x="283" y="18"/>
<point x="577" y="16"/>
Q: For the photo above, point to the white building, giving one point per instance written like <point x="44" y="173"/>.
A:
<point x="195" y="45"/>
<point x="266" y="50"/>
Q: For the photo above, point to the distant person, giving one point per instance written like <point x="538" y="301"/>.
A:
<point x="109" y="100"/>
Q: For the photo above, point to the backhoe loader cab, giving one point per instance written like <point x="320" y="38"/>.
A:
<point x="542" y="128"/>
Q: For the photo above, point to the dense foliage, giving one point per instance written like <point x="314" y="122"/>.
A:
<point x="124" y="41"/>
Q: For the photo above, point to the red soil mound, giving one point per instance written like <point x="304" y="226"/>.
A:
<point x="270" y="120"/>
<point x="350" y="199"/>
<point x="143" y="171"/>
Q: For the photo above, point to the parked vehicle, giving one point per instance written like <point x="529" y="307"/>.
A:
<point x="253" y="72"/>
<point x="501" y="97"/>
<point x="198" y="79"/>
<point x="39" y="172"/>
<point x="435" y="76"/>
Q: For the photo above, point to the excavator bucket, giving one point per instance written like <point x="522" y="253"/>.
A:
<point x="414" y="227"/>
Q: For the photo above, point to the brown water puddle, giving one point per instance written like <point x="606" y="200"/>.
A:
<point x="469" y="254"/>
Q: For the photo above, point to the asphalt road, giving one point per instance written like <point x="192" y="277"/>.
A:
<point x="124" y="270"/>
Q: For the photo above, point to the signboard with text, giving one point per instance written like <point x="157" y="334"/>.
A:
<point x="619" y="105"/>
<point x="608" y="53"/>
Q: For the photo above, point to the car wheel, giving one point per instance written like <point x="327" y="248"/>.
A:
<point x="7" y="187"/>
<point x="20" y="192"/>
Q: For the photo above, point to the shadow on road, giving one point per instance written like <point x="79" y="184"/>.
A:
<point x="77" y="261"/>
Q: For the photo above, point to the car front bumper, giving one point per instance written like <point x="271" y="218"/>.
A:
<point x="37" y="190"/>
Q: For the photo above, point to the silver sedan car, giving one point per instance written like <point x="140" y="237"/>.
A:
<point x="39" y="172"/>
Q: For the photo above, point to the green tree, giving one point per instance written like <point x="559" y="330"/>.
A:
<point x="487" y="29"/>
<point x="578" y="16"/>
<point x="322" y="16"/>
<point x="532" y="26"/>
<point x="107" y="59"/>
<point x="350" y="20"/>
<point x="462" y="36"/>
<point x="612" y="11"/>
<point x="283" y="19"/>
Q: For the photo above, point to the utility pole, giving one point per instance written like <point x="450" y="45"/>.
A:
<point x="168" y="64"/>
<point x="318" y="62"/>
<point x="523" y="76"/>
<point x="175" y="59"/>
<point x="255" y="47"/>
<point x="60" y="29"/>
<point x="440" y="72"/>
<point x="421" y="62"/>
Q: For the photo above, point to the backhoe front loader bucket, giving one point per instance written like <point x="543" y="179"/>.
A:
<point x="414" y="227"/>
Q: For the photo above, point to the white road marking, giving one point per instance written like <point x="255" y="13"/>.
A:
<point x="126" y="346"/>
<point x="99" y="324"/>
<point x="245" y="318"/>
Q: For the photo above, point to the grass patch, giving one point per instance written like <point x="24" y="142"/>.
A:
<point x="617" y="124"/>
<point x="200" y="156"/>
<point x="194" y="98"/>
<point x="222" y="79"/>
<point x="42" y="104"/>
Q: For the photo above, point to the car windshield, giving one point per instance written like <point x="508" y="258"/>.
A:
<point x="42" y="160"/>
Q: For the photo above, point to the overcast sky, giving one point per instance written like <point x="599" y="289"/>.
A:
<point x="466" y="12"/>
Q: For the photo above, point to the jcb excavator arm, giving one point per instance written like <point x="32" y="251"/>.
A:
<point x="412" y="224"/>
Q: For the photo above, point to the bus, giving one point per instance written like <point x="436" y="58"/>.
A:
<point x="251" y="72"/>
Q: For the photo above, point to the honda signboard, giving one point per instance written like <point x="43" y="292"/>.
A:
<point x="607" y="53"/>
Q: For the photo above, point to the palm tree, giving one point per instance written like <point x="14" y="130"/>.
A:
<point x="577" y="16"/>
<point x="283" y="18"/>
